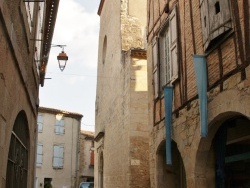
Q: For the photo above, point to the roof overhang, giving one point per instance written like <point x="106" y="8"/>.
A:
<point x="51" y="8"/>
<point x="100" y="7"/>
<point x="99" y="136"/>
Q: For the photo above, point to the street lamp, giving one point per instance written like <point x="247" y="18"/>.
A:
<point x="62" y="57"/>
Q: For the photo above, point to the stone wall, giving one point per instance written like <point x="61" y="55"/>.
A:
<point x="121" y="99"/>
<point x="18" y="82"/>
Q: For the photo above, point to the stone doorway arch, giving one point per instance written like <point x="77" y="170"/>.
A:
<point x="223" y="158"/>
<point x="174" y="175"/>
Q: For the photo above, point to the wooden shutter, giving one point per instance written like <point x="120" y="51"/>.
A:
<point x="155" y="68"/>
<point x="165" y="58"/>
<point x="204" y="22"/>
<point x="92" y="158"/>
<point x="61" y="123"/>
<point x="173" y="44"/>
<point x="39" y="156"/>
<point x="61" y="148"/>
<point x="40" y="122"/>
<point x="58" y="156"/>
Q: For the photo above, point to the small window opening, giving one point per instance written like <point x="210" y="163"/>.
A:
<point x="47" y="182"/>
<point x="205" y="21"/>
<point x="217" y="7"/>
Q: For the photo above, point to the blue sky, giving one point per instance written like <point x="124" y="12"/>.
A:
<point x="74" y="89"/>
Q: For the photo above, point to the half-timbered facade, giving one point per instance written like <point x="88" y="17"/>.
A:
<point x="199" y="92"/>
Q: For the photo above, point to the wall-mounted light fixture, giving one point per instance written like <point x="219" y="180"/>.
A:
<point x="62" y="57"/>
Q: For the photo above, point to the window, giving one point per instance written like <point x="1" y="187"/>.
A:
<point x="216" y="20"/>
<point x="39" y="155"/>
<point x="29" y="10"/>
<point x="59" y="129"/>
<point x="39" y="34"/>
<point x="47" y="182"/>
<point x="58" y="156"/>
<point x="18" y="157"/>
<point x="40" y="123"/>
<point x="92" y="157"/>
<point x="165" y="72"/>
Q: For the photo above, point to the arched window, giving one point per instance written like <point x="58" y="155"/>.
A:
<point x="17" y="168"/>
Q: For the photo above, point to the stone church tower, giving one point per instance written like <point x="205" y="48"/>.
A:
<point x="122" y="140"/>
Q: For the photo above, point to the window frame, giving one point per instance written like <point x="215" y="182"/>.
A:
<point x="160" y="77"/>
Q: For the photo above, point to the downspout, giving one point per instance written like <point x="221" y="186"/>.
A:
<point x="77" y="154"/>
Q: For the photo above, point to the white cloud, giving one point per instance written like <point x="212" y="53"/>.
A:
<point x="74" y="88"/>
<point x="79" y="30"/>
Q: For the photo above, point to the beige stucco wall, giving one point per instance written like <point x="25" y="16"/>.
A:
<point x="67" y="176"/>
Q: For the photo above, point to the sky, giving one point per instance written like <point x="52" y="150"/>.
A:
<point x="74" y="89"/>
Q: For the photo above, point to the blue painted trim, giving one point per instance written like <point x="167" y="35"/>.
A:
<point x="168" y="99"/>
<point x="200" y="67"/>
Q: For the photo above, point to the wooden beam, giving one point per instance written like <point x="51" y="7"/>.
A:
<point x="239" y="157"/>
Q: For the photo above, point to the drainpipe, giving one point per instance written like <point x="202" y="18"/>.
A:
<point x="78" y="151"/>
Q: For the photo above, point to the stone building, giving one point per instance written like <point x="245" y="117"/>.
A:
<point x="121" y="132"/>
<point x="26" y="29"/>
<point x="86" y="159"/>
<point x="57" y="148"/>
<point x="199" y="93"/>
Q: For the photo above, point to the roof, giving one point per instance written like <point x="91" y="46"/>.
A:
<point x="57" y="111"/>
<point x="100" y="7"/>
<point x="139" y="53"/>
<point x="99" y="136"/>
<point x="88" y="133"/>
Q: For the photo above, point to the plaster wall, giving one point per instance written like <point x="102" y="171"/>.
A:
<point x="67" y="175"/>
